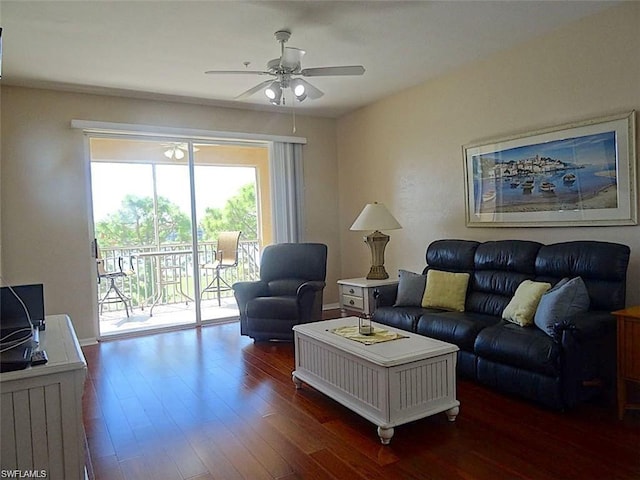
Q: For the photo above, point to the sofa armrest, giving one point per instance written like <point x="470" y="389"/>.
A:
<point x="589" y="344"/>
<point x="584" y="326"/>
<point x="386" y="295"/>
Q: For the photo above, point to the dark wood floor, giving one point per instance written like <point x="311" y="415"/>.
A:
<point x="209" y="404"/>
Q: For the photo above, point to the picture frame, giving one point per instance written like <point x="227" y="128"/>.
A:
<point x="578" y="174"/>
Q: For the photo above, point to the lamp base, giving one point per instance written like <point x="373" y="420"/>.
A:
<point x="377" y="242"/>
<point x="377" y="272"/>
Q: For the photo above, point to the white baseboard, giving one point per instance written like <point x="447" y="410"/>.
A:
<point x="88" y="341"/>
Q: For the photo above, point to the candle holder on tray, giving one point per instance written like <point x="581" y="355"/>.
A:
<point x="364" y="324"/>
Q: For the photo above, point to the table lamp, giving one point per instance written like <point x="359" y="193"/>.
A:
<point x="376" y="217"/>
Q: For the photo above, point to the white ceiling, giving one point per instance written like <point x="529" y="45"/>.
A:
<point x="161" y="48"/>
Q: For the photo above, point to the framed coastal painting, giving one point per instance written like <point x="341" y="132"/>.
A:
<point x="581" y="174"/>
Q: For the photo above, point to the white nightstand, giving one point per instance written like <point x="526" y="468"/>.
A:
<point x="357" y="294"/>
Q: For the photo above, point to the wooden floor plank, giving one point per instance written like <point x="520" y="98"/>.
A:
<point x="208" y="404"/>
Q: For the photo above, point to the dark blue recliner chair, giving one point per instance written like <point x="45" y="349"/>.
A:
<point x="289" y="292"/>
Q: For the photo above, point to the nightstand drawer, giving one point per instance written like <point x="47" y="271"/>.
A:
<point x="353" y="291"/>
<point x="349" y="301"/>
<point x="359" y="294"/>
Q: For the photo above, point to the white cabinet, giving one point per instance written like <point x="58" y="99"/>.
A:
<point x="42" y="408"/>
<point x="358" y="294"/>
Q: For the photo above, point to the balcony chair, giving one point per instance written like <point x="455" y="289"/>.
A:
<point x="114" y="294"/>
<point x="226" y="256"/>
<point x="289" y="292"/>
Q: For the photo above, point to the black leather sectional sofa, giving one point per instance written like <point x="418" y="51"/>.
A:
<point x="559" y="368"/>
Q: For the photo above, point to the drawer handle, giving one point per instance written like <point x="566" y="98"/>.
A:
<point x="351" y="302"/>
<point x="351" y="290"/>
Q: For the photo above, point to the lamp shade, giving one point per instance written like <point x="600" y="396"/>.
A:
<point x="375" y="216"/>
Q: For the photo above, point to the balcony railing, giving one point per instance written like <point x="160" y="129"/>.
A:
<point x="165" y="276"/>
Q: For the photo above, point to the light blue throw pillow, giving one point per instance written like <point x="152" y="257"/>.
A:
<point x="565" y="299"/>
<point x="410" y="289"/>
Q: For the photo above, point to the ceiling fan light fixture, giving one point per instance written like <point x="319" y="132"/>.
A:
<point x="299" y="89"/>
<point x="177" y="151"/>
<point x="273" y="91"/>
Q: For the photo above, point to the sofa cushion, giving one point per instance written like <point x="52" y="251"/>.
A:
<point x="445" y="290"/>
<point x="459" y="328"/>
<point x="410" y="289"/>
<point x="499" y="267"/>
<point x="522" y="307"/>
<point x="566" y="298"/>
<point x="452" y="255"/>
<point x="507" y="255"/>
<point x="525" y="348"/>
<point x="492" y="290"/>
<point x="404" y="318"/>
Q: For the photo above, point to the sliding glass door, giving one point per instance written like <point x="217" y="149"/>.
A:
<point x="159" y="210"/>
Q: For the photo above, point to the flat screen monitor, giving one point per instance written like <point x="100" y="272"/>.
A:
<point x="16" y="335"/>
<point x="12" y="311"/>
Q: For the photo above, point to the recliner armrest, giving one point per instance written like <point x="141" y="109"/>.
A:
<point x="309" y="294"/>
<point x="245" y="291"/>
<point x="311" y="286"/>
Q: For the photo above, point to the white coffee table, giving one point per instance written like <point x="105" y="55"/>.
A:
<point x="389" y="383"/>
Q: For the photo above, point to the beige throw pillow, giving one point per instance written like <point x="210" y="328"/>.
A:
<point x="522" y="307"/>
<point x="445" y="290"/>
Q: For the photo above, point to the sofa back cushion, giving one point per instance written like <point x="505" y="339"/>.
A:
<point x="500" y="267"/>
<point x="601" y="265"/>
<point x="451" y="255"/>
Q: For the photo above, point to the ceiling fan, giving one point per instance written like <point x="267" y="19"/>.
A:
<point x="176" y="150"/>
<point x="286" y="71"/>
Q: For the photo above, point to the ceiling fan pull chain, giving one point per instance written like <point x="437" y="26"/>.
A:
<point x="293" y="110"/>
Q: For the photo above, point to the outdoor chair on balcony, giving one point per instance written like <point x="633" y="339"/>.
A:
<point x="289" y="292"/>
<point x="225" y="257"/>
<point x="113" y="294"/>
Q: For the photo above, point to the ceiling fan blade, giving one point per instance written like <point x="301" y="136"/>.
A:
<point x="329" y="71"/>
<point x="291" y="57"/>
<point x="253" y="90"/>
<point x="237" y="72"/>
<point x="312" y="92"/>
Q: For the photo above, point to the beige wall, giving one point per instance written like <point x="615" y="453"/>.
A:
<point x="406" y="151"/>
<point x="44" y="203"/>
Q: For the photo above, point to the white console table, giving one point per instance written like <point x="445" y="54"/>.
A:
<point x="41" y="408"/>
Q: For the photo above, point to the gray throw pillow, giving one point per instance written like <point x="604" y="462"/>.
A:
<point x="410" y="289"/>
<point x="565" y="299"/>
